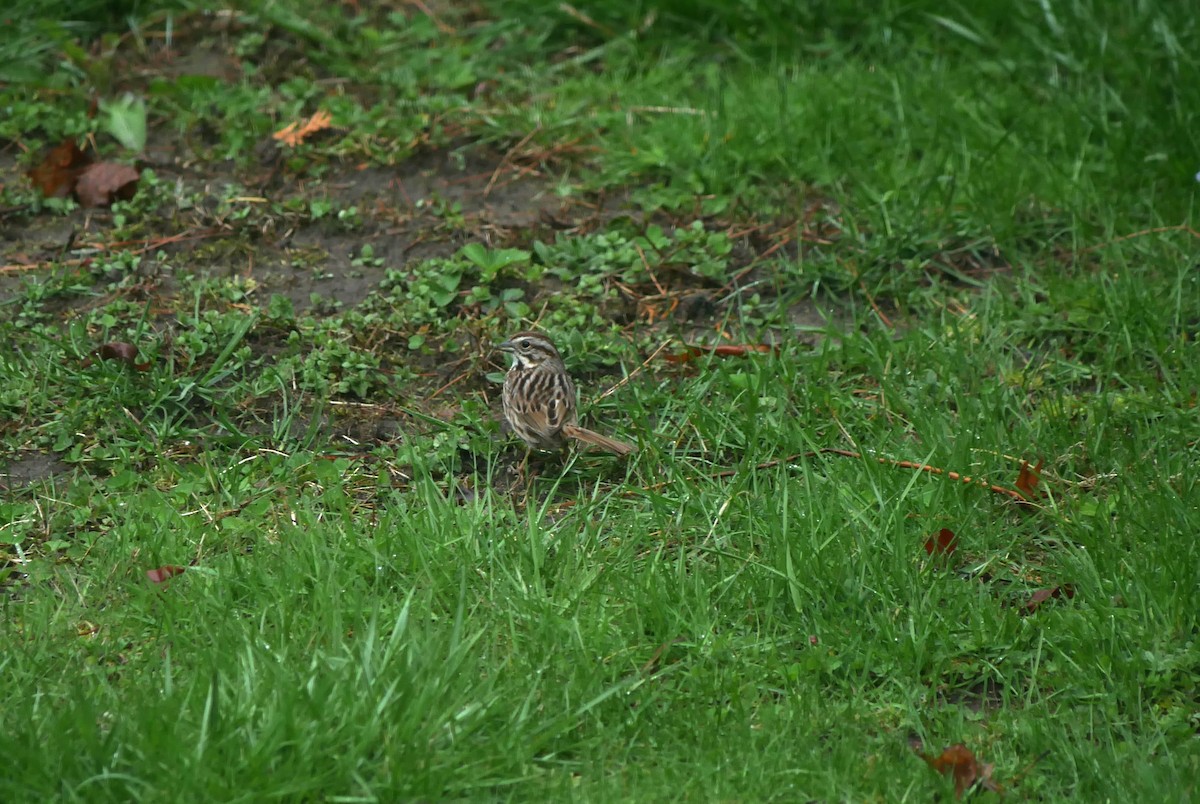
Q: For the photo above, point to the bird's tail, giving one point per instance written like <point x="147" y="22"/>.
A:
<point x="596" y="440"/>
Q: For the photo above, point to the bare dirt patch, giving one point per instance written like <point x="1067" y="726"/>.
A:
<point x="429" y="206"/>
<point x="29" y="468"/>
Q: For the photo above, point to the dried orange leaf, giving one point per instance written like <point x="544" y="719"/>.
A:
<point x="104" y="182"/>
<point x="164" y="573"/>
<point x="944" y="542"/>
<point x="55" y="175"/>
<point x="966" y="769"/>
<point x="296" y="133"/>
<point x="1027" y="480"/>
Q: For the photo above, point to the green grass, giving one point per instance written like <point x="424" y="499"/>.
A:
<point x="992" y="213"/>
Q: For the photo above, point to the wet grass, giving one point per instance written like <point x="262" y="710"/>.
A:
<point x="967" y="239"/>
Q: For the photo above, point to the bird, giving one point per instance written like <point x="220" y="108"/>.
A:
<point x="539" y="398"/>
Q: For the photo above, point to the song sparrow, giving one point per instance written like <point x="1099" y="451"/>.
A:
<point x="539" y="397"/>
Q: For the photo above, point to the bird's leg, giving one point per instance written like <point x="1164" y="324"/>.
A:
<point x="524" y="477"/>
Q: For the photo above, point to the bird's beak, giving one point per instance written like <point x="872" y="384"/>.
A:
<point x="507" y="346"/>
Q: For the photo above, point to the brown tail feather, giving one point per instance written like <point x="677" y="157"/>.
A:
<point x="595" y="439"/>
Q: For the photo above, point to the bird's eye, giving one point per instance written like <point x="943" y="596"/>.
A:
<point x="524" y="344"/>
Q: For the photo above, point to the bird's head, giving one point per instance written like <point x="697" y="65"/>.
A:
<point x="530" y="349"/>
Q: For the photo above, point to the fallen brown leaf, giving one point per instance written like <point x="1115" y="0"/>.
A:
<point x="121" y="352"/>
<point x="296" y="133"/>
<point x="966" y="769"/>
<point x="1028" y="479"/>
<point x="164" y="573"/>
<point x="1042" y="595"/>
<point x="55" y="175"/>
<point x="942" y="543"/>
<point x="102" y="183"/>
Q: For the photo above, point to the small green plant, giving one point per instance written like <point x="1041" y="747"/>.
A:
<point x="491" y="263"/>
<point x="510" y="299"/>
<point x="634" y="259"/>
<point x="125" y="119"/>
<point x="319" y="208"/>
<point x="366" y="258"/>
<point x="449" y="212"/>
<point x="705" y="253"/>
<point x="350" y="219"/>
<point x="280" y="310"/>
<point x="146" y="207"/>
<point x="336" y="367"/>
